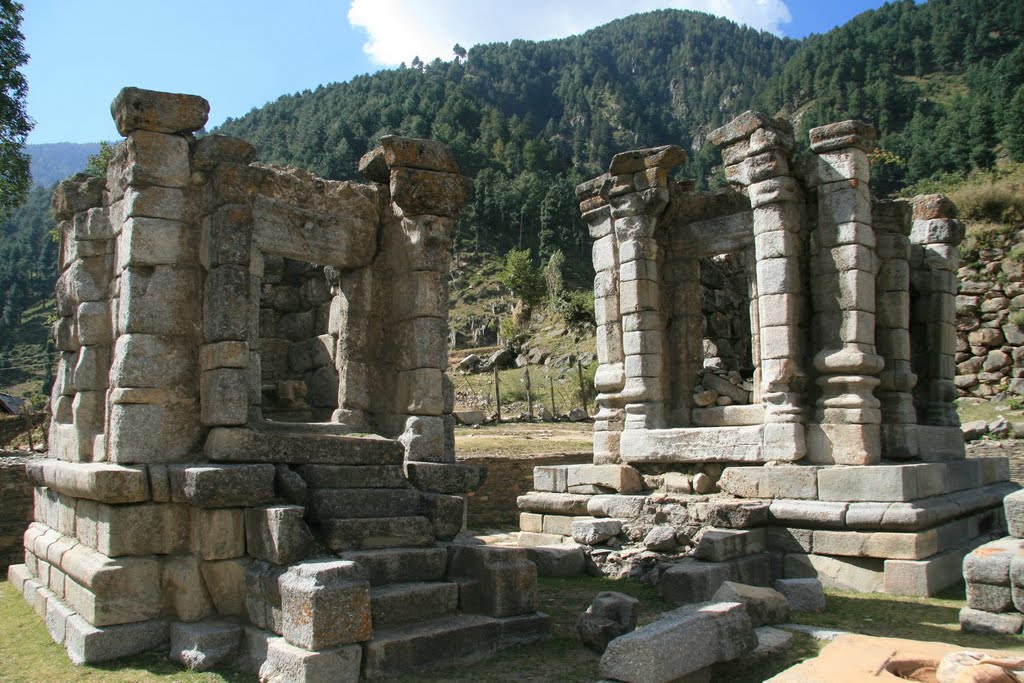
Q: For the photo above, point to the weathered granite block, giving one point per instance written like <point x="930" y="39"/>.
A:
<point x="201" y="647"/>
<point x="498" y="582"/>
<point x="88" y="644"/>
<point x="680" y="642"/>
<point x="222" y="485"/>
<point x="277" y="534"/>
<point x="286" y="663"/>
<point x="325" y="604"/>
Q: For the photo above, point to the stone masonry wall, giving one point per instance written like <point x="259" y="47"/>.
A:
<point x="990" y="348"/>
<point x="15" y="507"/>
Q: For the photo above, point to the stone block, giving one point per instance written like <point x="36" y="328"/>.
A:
<point x="531" y="522"/>
<point x="447" y="514"/>
<point x="227" y="354"/>
<point x="978" y="621"/>
<point x="621" y="478"/>
<point x="691" y="580"/>
<point x="225" y="304"/>
<point x="764" y="605"/>
<point x="138" y="109"/>
<point x="225" y="581"/>
<point x="803" y="595"/>
<point x="793" y="482"/>
<point x="445" y="477"/>
<point x="733" y="514"/>
<point x="211" y="150"/>
<point x="88" y="644"/>
<point x="351" y="476"/>
<point x="159" y="300"/>
<point x="77" y="193"/>
<point x="865" y="575"/>
<point x="560" y="524"/>
<point x="286" y="663"/>
<point x="201" y="647"/>
<point x="277" y="534"/>
<point x="325" y="604"/>
<point x="218" y="534"/>
<point x="903" y="546"/>
<point x="1013" y="504"/>
<point x="808" y="513"/>
<point x="555" y="503"/>
<point x="621" y="507"/>
<point x="562" y="560"/>
<point x="153" y="433"/>
<point x="138" y="529"/>
<point x="145" y="360"/>
<point x="104" y="482"/>
<point x="424" y="440"/>
<point x="869" y="483"/>
<point x="679" y="643"/>
<point x="370" y="533"/>
<point x="592" y="531"/>
<point x="400" y="565"/>
<point x="551" y="478"/>
<point x="57" y="615"/>
<point x="990" y="563"/>
<point x="185" y="593"/>
<point x="224" y="397"/>
<point x="348" y="503"/>
<point x="109" y="591"/>
<point x="245" y="445"/>
<point x="419" y="392"/>
<point x="988" y="598"/>
<point x="498" y="582"/>
<point x="718" y="545"/>
<point x="222" y="486"/>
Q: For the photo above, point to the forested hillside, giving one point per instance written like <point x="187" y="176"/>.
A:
<point x="53" y="162"/>
<point x="942" y="81"/>
<point x="529" y="120"/>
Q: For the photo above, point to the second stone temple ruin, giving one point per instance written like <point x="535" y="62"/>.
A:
<point x="831" y="447"/>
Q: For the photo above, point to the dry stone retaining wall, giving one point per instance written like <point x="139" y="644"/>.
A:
<point x="15" y="507"/>
<point x="990" y="346"/>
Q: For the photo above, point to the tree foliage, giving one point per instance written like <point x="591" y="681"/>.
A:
<point x="523" y="278"/>
<point x="15" y="123"/>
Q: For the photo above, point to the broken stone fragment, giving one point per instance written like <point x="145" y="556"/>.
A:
<point x="611" y="615"/>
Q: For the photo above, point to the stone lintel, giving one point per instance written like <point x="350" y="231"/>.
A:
<point x="426" y="155"/>
<point x="665" y="156"/>
<point x="158" y="112"/>
<point x="744" y="125"/>
<point x="682" y="445"/>
<point x="842" y="135"/>
<point x="724" y="234"/>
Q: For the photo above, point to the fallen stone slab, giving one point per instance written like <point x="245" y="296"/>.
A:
<point x="563" y="560"/>
<point x="202" y="646"/>
<point x="803" y="595"/>
<point x="680" y="642"/>
<point x="770" y="641"/>
<point x="764" y="605"/>
<point x="555" y="503"/>
<point x="689" y="580"/>
<point x="609" y="616"/>
<point x="595" y="531"/>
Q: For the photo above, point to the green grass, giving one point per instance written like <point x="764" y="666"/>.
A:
<point x="988" y="411"/>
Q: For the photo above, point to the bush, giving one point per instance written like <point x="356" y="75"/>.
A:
<point x="577" y="309"/>
<point x="997" y="202"/>
<point x="522" y="277"/>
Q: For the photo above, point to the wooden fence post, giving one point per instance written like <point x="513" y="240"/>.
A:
<point x="497" y="393"/>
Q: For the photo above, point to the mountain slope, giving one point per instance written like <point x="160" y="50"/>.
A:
<point x="53" y="162"/>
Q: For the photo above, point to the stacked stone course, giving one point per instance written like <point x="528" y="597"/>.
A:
<point x="994" y="574"/>
<point x="210" y="308"/>
<point x="846" y="461"/>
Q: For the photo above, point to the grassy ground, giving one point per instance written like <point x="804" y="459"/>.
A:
<point x="27" y="655"/>
<point x="990" y="410"/>
<point x="517" y="439"/>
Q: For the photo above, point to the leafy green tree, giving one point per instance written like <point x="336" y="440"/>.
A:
<point x="525" y="280"/>
<point x="15" y="123"/>
<point x="97" y="163"/>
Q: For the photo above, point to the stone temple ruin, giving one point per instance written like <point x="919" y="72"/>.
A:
<point x="252" y="445"/>
<point x="252" y="442"/>
<point x="833" y="450"/>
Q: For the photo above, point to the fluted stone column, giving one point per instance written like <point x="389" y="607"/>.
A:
<point x="934" y="261"/>
<point x="622" y="210"/>
<point x="844" y="267"/>
<point x="756" y="153"/>
<point x="610" y="377"/>
<point x="891" y="220"/>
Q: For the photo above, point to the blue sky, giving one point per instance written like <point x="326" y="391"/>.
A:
<point x="240" y="54"/>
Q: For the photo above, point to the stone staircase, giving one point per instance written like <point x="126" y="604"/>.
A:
<point x="426" y="609"/>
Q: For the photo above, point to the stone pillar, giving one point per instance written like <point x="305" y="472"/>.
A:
<point x="610" y="377"/>
<point x="622" y="209"/>
<point x="756" y="153"/>
<point x="154" y="411"/>
<point x="891" y="220"/>
<point x="844" y="267"/>
<point x="427" y="194"/>
<point x="934" y="261"/>
<point x="82" y="332"/>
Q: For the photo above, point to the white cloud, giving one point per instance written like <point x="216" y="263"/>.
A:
<point x="399" y="30"/>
